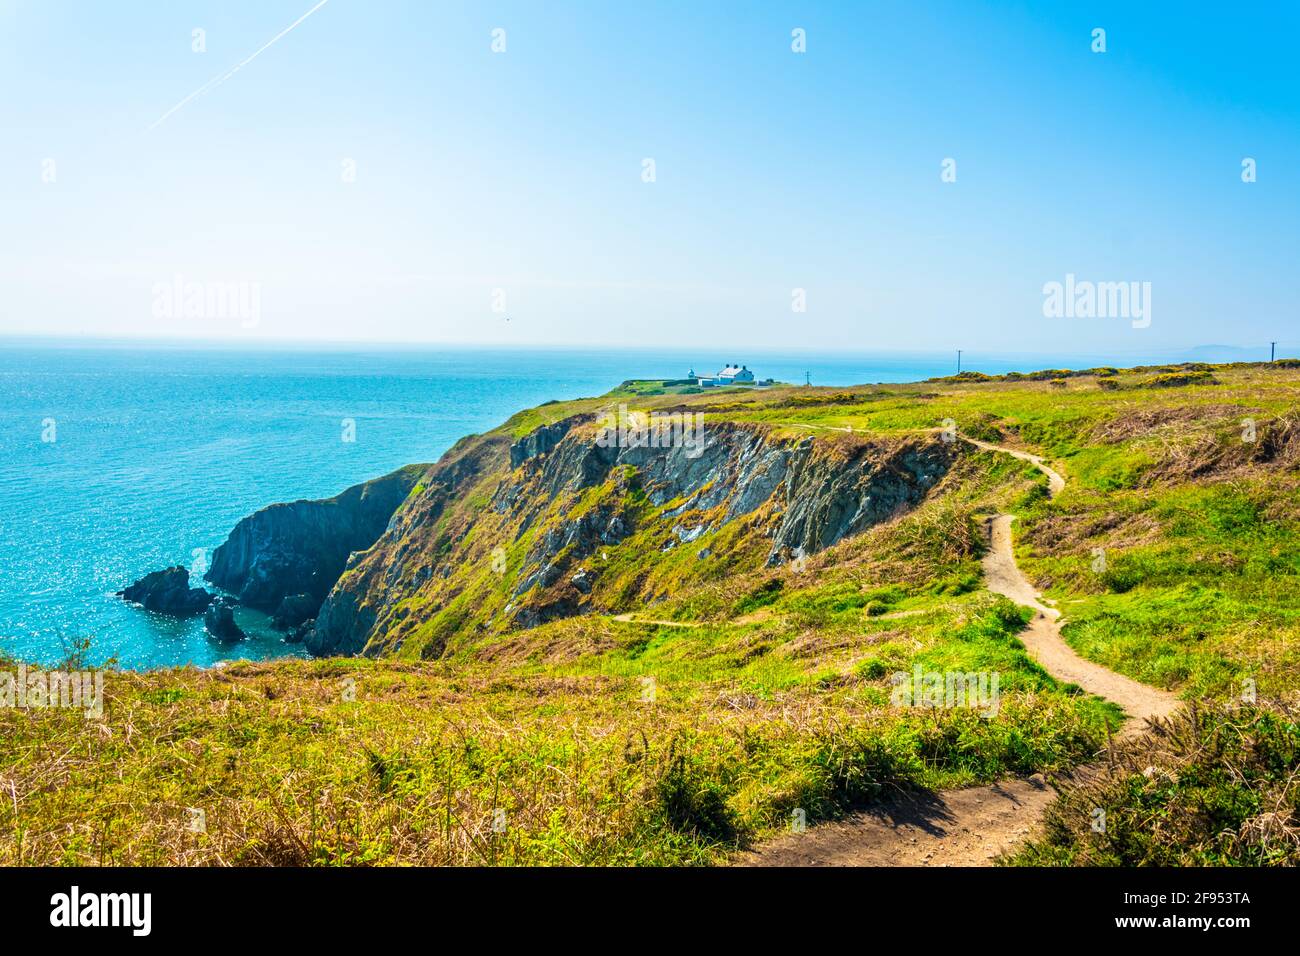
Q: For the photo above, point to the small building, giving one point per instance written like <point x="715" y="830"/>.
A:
<point x="731" y="375"/>
<point x="736" y="374"/>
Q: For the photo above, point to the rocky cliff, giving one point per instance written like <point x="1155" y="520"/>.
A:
<point x="286" y="557"/>
<point x="348" y="614"/>
<point x="506" y="535"/>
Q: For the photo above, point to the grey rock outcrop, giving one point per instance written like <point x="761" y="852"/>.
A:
<point x="294" y="610"/>
<point x="220" y="622"/>
<point x="298" y="635"/>
<point x="822" y="498"/>
<point x="541" y="440"/>
<point x="828" y="500"/>
<point x="168" y="592"/>
<point x="797" y="495"/>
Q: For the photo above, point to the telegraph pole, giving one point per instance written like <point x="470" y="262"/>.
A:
<point x="1272" y="350"/>
<point x="959" y="361"/>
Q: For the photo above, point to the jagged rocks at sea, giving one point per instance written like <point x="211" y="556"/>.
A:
<point x="167" y="592"/>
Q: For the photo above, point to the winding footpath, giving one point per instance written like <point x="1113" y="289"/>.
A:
<point x="972" y="826"/>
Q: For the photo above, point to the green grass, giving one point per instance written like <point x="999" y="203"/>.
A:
<point x="584" y="765"/>
<point x="1208" y="597"/>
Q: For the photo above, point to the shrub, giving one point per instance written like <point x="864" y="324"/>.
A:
<point x="1178" y="379"/>
<point x="1120" y="579"/>
<point x="691" y="801"/>
<point x="1211" y="786"/>
<point x="761" y="596"/>
<point x="872" y="669"/>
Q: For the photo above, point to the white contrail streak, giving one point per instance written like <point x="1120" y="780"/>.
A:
<point x="218" y="80"/>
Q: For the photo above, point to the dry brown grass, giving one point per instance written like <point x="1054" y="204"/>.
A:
<point x="1137" y="421"/>
<point x="1084" y="527"/>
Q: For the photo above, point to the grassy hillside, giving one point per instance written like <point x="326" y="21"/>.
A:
<point x="533" y="692"/>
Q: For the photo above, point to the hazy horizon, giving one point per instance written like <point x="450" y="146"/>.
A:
<point x="1230" y="352"/>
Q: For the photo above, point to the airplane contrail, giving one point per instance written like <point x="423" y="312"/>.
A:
<point x="218" y="80"/>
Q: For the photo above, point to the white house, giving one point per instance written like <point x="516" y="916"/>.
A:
<point x="731" y="375"/>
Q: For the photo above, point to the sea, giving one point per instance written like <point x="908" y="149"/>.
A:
<point x="119" y="458"/>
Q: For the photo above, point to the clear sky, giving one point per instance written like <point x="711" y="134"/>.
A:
<point x="522" y="171"/>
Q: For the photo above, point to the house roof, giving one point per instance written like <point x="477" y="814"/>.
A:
<point x="731" y="371"/>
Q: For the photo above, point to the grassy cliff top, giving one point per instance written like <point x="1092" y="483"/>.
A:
<point x="689" y="705"/>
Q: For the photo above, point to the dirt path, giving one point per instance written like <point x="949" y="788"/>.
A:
<point x="969" y="827"/>
<point x="1043" y="639"/>
<point x="1055" y="483"/>
<point x="973" y="826"/>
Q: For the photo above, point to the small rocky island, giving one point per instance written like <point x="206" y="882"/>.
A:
<point x="219" y="619"/>
<point x="168" y="592"/>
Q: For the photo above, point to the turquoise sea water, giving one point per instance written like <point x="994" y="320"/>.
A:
<point x="158" y="451"/>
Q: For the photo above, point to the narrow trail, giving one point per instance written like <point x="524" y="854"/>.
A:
<point x="974" y="825"/>
<point x="1055" y="483"/>
<point x="1043" y="640"/>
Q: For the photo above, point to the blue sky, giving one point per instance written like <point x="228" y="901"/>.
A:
<point x="522" y="171"/>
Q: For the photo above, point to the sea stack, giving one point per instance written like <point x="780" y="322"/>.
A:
<point x="220" y="622"/>
<point x="168" y="592"/>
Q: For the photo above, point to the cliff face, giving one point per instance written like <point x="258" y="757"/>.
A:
<point x="506" y="536"/>
<point x="300" y="548"/>
<point x="348" y="615"/>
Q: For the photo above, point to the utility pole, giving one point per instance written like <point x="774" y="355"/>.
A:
<point x="807" y="378"/>
<point x="959" y="361"/>
<point x="1272" y="350"/>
